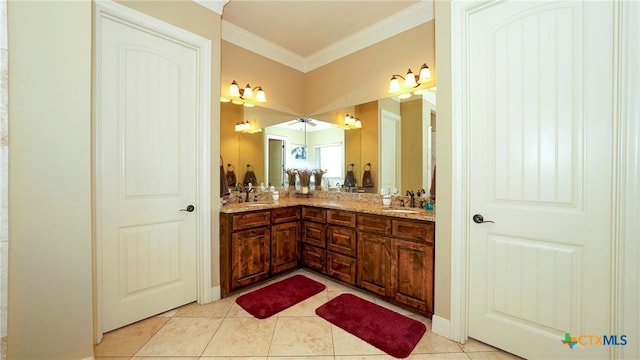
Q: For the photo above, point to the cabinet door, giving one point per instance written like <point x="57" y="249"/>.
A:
<point x="250" y="251"/>
<point x="412" y="274"/>
<point x="285" y="247"/>
<point x="313" y="233"/>
<point x="313" y="257"/>
<point x="374" y="263"/>
<point x="341" y="267"/>
<point x="341" y="240"/>
<point x="280" y="215"/>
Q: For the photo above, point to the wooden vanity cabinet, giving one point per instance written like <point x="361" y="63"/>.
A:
<point x="374" y="263"/>
<point x="396" y="260"/>
<point x="285" y="239"/>
<point x="255" y="245"/>
<point x="245" y="250"/>
<point x="341" y="245"/>
<point x="314" y="254"/>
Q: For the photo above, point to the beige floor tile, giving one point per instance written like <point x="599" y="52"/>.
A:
<point x="433" y="343"/>
<point x="345" y="343"/>
<point x="307" y="307"/>
<point x="472" y="345"/>
<point x="392" y="307"/>
<point x="110" y="357"/>
<point x="301" y="336"/>
<point x="441" y="356"/>
<point x="242" y="337"/>
<point x="233" y="358"/>
<point x="169" y="313"/>
<point x="364" y="357"/>
<point x="300" y="357"/>
<point x="215" y="309"/>
<point x="128" y="340"/>
<point x="237" y="311"/>
<point x="181" y="337"/>
<point x="492" y="355"/>
<point x="164" y="358"/>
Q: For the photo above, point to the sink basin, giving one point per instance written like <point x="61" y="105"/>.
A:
<point x="401" y="211"/>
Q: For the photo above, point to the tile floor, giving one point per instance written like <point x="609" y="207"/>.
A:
<point x="223" y="330"/>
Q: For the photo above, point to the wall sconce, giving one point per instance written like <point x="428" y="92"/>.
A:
<point x="351" y="122"/>
<point x="410" y="80"/>
<point x="243" y="126"/>
<point x="246" y="93"/>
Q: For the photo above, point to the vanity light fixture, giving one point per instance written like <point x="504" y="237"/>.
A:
<point x="241" y="95"/>
<point x="243" y="126"/>
<point x="351" y="122"/>
<point x="411" y="80"/>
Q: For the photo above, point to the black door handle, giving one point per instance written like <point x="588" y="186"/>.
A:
<point x="189" y="208"/>
<point x="479" y="219"/>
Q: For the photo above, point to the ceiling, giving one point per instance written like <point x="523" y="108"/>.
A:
<point x="306" y="34"/>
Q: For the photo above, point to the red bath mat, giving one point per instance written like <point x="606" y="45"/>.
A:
<point x="271" y="299"/>
<point x="387" y="330"/>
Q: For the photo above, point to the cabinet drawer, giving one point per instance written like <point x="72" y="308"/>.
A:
<point x="314" y="214"/>
<point x="344" y="218"/>
<point x="412" y="230"/>
<point x="285" y="214"/>
<point x="250" y="220"/>
<point x="313" y="233"/>
<point x="375" y="224"/>
<point x="341" y="240"/>
<point x="313" y="257"/>
<point x="341" y="267"/>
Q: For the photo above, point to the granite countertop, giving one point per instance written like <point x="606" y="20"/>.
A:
<point x="339" y="204"/>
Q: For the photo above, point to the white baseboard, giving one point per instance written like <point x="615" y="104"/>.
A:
<point x="440" y="326"/>
<point x="215" y="293"/>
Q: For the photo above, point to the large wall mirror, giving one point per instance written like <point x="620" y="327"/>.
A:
<point x="396" y="143"/>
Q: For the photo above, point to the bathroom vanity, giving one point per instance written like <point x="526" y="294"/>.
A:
<point x="388" y="252"/>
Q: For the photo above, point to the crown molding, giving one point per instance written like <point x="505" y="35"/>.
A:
<point x="213" y="5"/>
<point x="261" y="46"/>
<point x="404" y="20"/>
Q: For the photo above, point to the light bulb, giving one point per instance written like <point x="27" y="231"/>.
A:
<point x="425" y="74"/>
<point x="410" y="79"/>
<point x="260" y="96"/>
<point x="248" y="93"/>
<point x="234" y="90"/>
<point x="394" y="84"/>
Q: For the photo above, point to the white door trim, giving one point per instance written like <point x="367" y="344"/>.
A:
<point x="107" y="8"/>
<point x="626" y="116"/>
<point x="627" y="229"/>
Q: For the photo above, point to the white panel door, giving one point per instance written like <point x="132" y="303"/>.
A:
<point x="539" y="95"/>
<point x="146" y="171"/>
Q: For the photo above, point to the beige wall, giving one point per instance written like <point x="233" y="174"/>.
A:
<point x="283" y="86"/>
<point x="358" y="78"/>
<point x="442" y="290"/>
<point x="229" y="139"/>
<point x="50" y="284"/>
<point x="50" y="261"/>
<point x="411" y="146"/>
<point x="364" y="75"/>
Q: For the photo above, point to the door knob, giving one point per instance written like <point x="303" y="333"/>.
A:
<point x="189" y="208"/>
<point x="479" y="219"/>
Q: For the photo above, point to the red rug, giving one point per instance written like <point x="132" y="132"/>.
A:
<point x="271" y="299"/>
<point x="387" y="330"/>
